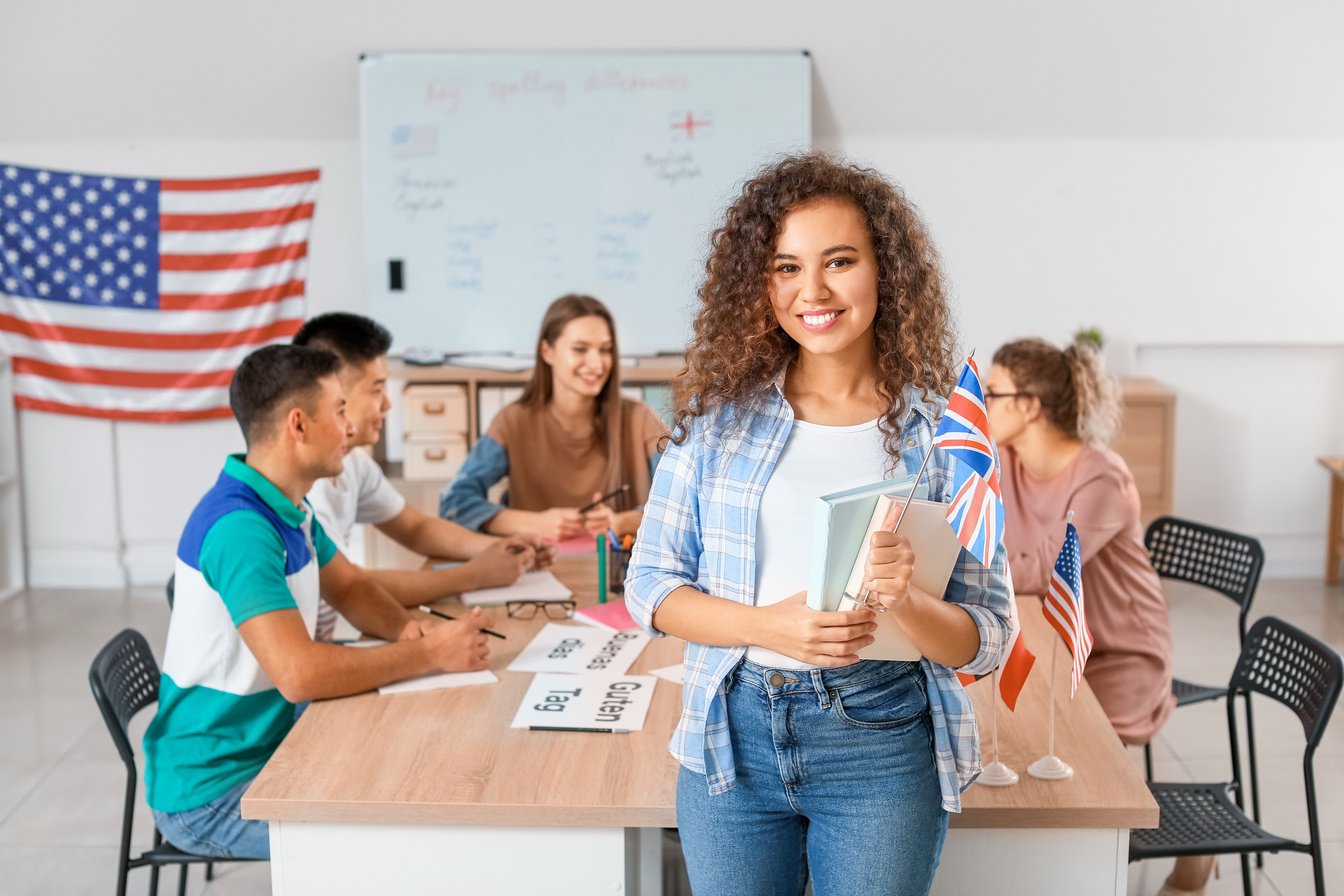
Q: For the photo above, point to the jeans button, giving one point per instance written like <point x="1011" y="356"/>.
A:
<point x="775" y="679"/>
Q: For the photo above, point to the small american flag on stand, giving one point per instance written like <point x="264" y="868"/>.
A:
<point x="135" y="299"/>
<point x="1063" y="604"/>
<point x="976" y="514"/>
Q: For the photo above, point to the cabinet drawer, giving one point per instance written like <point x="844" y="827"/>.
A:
<point x="435" y="410"/>
<point x="434" y="458"/>
<point x="1144" y="441"/>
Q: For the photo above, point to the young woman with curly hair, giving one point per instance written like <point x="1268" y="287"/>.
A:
<point x="821" y="348"/>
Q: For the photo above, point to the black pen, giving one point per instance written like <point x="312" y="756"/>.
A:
<point x="607" y="497"/>
<point x="590" y="730"/>
<point x="434" y="612"/>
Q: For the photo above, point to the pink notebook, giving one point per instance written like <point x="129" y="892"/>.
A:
<point x="579" y="544"/>
<point x="612" y="616"/>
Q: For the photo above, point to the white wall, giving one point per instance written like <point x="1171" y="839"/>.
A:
<point x="1166" y="171"/>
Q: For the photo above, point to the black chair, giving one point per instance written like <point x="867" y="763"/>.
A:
<point x="1285" y="664"/>
<point x="1227" y="563"/>
<point x="125" y="679"/>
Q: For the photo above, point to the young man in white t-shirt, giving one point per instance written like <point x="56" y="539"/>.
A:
<point x="362" y="494"/>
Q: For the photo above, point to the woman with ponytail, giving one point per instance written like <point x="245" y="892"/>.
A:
<point x="1052" y="413"/>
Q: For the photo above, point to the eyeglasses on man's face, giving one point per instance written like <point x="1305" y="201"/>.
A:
<point x="551" y="609"/>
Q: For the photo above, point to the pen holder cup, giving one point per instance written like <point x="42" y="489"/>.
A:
<point x="618" y="563"/>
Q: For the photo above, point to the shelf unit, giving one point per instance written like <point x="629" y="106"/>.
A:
<point x="12" y="572"/>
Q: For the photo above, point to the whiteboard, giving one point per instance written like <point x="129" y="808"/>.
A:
<point x="495" y="182"/>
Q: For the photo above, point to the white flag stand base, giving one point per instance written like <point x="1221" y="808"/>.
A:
<point x="1050" y="768"/>
<point x="996" y="774"/>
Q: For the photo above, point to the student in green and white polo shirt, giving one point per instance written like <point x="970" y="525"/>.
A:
<point x="251" y="566"/>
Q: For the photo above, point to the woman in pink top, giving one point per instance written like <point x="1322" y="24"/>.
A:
<point x="1052" y="413"/>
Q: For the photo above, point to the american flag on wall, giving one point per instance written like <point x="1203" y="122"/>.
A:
<point x="135" y="299"/>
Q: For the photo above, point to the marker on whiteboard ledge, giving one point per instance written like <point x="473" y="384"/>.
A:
<point x="589" y="730"/>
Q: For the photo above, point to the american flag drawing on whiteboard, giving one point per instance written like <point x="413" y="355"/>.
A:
<point x="135" y="299"/>
<point x="1063" y="604"/>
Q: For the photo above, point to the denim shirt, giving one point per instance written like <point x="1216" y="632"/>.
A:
<point x="699" y="529"/>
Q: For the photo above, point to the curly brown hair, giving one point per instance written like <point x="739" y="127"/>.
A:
<point x="738" y="346"/>
<point x="1077" y="397"/>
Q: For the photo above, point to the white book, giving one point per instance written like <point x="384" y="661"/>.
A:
<point x="843" y="524"/>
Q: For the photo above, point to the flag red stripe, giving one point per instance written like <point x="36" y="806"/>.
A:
<point x="236" y="220"/>
<point x="969" y="410"/>
<point x="282" y="329"/>
<point x="232" y="261"/>
<point x="56" y="407"/>
<point x="227" y="301"/>
<point x="1015" y="671"/>
<point x="133" y="378"/>
<point x="241" y="183"/>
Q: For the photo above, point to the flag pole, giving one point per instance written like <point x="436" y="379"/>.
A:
<point x="996" y="774"/>
<point x="865" y="592"/>
<point x="1050" y="767"/>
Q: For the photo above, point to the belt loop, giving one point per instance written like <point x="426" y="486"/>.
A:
<point x="819" y="685"/>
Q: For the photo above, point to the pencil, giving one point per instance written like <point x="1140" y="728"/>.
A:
<point x="434" y="612"/>
<point x="607" y="497"/>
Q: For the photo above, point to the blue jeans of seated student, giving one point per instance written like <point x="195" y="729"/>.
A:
<point x="835" y="776"/>
<point x="217" y="829"/>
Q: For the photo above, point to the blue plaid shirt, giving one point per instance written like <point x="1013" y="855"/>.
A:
<point x="699" y="529"/>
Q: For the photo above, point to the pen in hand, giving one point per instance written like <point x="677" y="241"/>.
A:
<point x="434" y="612"/>
<point x="607" y="497"/>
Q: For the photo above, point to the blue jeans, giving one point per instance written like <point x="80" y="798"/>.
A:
<point x="217" y="829"/>
<point x="835" y="776"/>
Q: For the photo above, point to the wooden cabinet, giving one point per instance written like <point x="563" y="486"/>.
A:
<point x="12" y="572"/>
<point x="1146" y="441"/>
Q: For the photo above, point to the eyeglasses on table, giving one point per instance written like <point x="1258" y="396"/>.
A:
<point x="551" y="609"/>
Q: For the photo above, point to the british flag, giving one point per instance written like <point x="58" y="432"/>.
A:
<point x="976" y="514"/>
<point x="1063" y="604"/>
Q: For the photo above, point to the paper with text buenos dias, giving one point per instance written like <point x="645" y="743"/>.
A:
<point x="601" y="700"/>
<point x="574" y="649"/>
<point x="539" y="584"/>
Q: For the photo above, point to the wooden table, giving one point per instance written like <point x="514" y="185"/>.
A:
<point x="1334" y="537"/>
<point x="433" y="792"/>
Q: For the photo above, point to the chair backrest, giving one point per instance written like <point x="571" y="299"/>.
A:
<point x="1288" y="665"/>
<point x="124" y="679"/>
<point x="1203" y="555"/>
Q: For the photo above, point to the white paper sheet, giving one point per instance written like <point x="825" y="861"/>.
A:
<point x="539" y="584"/>
<point x="675" y="674"/>
<point x="595" y="702"/>
<point x="438" y="680"/>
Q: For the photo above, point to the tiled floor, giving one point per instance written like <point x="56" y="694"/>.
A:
<point x="61" y="783"/>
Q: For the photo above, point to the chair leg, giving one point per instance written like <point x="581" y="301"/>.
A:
<point x="209" y="870"/>
<point x="1148" y="761"/>
<point x="153" y="880"/>
<point x="1254" y="774"/>
<point x="182" y="879"/>
<point x="1246" y="873"/>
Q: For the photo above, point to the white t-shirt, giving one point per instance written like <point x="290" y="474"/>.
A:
<point x="360" y="494"/>
<point x="816" y="461"/>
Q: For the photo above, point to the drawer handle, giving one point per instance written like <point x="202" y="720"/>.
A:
<point x="436" y="454"/>
<point x="434" y="407"/>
